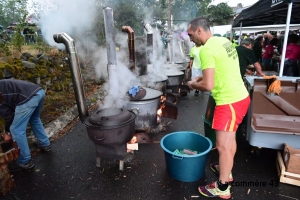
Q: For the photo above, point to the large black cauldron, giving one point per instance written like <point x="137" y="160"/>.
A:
<point x="110" y="129"/>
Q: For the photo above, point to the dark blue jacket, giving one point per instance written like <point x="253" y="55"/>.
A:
<point x="13" y="93"/>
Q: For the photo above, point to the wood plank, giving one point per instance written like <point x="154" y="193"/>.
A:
<point x="282" y="173"/>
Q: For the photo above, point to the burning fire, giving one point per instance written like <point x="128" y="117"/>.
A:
<point x="159" y="112"/>
<point x="133" y="140"/>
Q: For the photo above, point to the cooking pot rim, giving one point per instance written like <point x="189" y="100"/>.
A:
<point x="88" y="124"/>
<point x="110" y="121"/>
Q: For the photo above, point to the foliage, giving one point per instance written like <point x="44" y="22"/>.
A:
<point x="17" y="39"/>
<point x="130" y="13"/>
<point x="220" y="13"/>
<point x="4" y="48"/>
<point x="11" y="11"/>
<point x="41" y="45"/>
<point x="186" y="10"/>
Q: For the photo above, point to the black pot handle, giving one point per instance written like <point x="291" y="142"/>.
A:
<point x="101" y="139"/>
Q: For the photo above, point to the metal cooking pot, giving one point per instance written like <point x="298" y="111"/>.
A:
<point x="111" y="126"/>
<point x="175" y="77"/>
<point x="173" y="66"/>
<point x="146" y="109"/>
<point x="154" y="81"/>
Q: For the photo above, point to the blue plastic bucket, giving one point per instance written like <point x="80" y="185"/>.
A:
<point x="186" y="168"/>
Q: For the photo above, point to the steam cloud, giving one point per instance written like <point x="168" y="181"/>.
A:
<point x="77" y="18"/>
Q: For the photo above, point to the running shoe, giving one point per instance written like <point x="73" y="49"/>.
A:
<point x="215" y="169"/>
<point x="212" y="190"/>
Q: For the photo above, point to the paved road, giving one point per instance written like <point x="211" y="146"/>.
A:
<point x="69" y="171"/>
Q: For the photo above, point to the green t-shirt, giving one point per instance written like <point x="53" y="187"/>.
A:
<point x="219" y="53"/>
<point x="195" y="54"/>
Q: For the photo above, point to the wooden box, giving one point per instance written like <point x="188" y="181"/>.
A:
<point x="284" y="176"/>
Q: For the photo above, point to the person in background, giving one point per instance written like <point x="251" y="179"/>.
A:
<point x="26" y="35"/>
<point x="247" y="57"/>
<point x="21" y="103"/>
<point x="292" y="57"/>
<point x="280" y="43"/>
<point x="221" y="76"/>
<point x="233" y="41"/>
<point x="268" y="54"/>
<point x="266" y="41"/>
<point x="195" y="63"/>
<point x="257" y="48"/>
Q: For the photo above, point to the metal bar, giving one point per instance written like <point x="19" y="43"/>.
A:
<point x="240" y="32"/>
<point x="75" y="73"/>
<point x="110" y="36"/>
<point x="287" y="28"/>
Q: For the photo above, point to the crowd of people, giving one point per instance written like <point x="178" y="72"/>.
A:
<point x="268" y="50"/>
<point x="30" y="34"/>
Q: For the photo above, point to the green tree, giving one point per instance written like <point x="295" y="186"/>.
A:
<point x="220" y="13"/>
<point x="11" y="11"/>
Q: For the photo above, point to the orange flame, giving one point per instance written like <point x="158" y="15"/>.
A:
<point x="159" y="112"/>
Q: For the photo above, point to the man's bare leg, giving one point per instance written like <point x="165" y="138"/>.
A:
<point x="226" y="145"/>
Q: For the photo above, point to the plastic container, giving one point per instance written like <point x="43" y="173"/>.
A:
<point x="186" y="168"/>
<point x="209" y="132"/>
<point x="208" y="118"/>
<point x="210" y="108"/>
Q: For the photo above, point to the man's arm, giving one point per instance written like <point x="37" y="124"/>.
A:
<point x="257" y="67"/>
<point x="191" y="62"/>
<point x="205" y="82"/>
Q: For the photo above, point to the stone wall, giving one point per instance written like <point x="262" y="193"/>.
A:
<point x="50" y="72"/>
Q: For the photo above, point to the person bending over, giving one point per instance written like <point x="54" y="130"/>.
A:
<point x="21" y="103"/>
<point x="221" y="76"/>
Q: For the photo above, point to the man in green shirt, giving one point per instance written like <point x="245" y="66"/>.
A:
<point x="221" y="76"/>
<point x="195" y="63"/>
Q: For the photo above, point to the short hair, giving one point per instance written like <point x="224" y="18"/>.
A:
<point x="248" y="41"/>
<point x="200" y="21"/>
<point x="274" y="41"/>
<point x="259" y="37"/>
<point x="293" y="38"/>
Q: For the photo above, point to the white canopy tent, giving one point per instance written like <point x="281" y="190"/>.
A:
<point x="223" y="29"/>
<point x="266" y="12"/>
<point x="255" y="29"/>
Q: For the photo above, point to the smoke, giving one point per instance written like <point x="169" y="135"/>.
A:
<point x="120" y="78"/>
<point x="74" y="17"/>
<point x="77" y="18"/>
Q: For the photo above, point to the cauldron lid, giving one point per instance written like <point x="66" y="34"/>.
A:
<point x="110" y="117"/>
<point x="151" y="94"/>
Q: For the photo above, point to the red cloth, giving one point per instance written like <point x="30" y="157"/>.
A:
<point x="269" y="51"/>
<point x="292" y="51"/>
